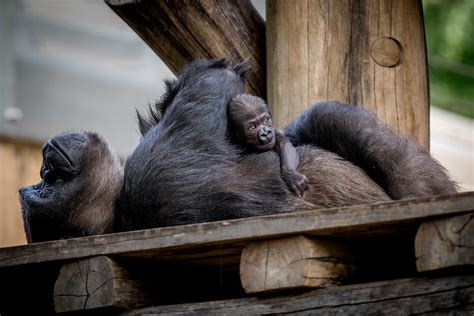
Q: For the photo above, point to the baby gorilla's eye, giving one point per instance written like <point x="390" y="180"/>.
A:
<point x="252" y="127"/>
<point x="266" y="120"/>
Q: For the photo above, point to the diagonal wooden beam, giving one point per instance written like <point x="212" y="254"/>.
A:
<point x="180" y="31"/>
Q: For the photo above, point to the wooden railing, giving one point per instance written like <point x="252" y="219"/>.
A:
<point x="237" y="258"/>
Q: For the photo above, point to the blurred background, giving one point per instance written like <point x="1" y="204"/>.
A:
<point x="74" y="64"/>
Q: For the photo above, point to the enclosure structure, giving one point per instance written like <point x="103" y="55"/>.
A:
<point x="412" y="256"/>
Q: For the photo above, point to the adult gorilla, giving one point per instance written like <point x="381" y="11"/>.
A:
<point x="185" y="170"/>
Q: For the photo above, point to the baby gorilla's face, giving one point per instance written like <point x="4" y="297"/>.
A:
<point x="259" y="132"/>
<point x="251" y="117"/>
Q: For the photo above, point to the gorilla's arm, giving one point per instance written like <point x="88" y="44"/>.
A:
<point x="402" y="168"/>
<point x="289" y="161"/>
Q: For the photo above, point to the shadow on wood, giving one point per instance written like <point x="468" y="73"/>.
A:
<point x="451" y="295"/>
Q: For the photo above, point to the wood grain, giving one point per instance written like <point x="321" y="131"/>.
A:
<point x="97" y="282"/>
<point x="366" y="53"/>
<point x="294" y="262"/>
<point x="449" y="295"/>
<point x="179" y="33"/>
<point x="20" y="164"/>
<point x="235" y="234"/>
<point x="445" y="243"/>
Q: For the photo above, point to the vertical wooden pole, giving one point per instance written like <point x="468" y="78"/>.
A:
<point x="367" y="53"/>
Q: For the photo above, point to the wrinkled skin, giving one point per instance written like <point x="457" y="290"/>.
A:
<point x="80" y="180"/>
<point x="185" y="170"/>
<point x="251" y="123"/>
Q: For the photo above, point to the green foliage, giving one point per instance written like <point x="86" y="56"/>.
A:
<point x="449" y="27"/>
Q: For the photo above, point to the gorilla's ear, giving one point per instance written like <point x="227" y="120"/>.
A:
<point x="241" y="68"/>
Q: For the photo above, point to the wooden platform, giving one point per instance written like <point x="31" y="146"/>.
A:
<point x="417" y="296"/>
<point x="207" y="240"/>
<point x="198" y="263"/>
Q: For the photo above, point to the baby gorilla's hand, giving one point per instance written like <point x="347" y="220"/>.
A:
<point x="297" y="182"/>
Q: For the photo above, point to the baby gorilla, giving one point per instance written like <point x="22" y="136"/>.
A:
<point x="251" y="127"/>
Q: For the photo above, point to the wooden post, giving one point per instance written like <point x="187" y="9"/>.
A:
<point x="294" y="262"/>
<point x="445" y="243"/>
<point x="367" y="53"/>
<point x="97" y="282"/>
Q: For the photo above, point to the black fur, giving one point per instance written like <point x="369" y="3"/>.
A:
<point x="401" y="167"/>
<point x="76" y="196"/>
<point x="185" y="170"/>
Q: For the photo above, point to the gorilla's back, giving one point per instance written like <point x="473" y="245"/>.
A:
<point x="175" y="181"/>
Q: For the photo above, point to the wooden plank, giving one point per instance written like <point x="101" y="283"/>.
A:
<point x="98" y="282"/>
<point x="294" y="262"/>
<point x="445" y="243"/>
<point x="19" y="167"/>
<point x="353" y="220"/>
<point x="366" y="53"/>
<point x="179" y="33"/>
<point x="450" y="295"/>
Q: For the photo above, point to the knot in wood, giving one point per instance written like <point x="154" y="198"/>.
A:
<point x="386" y="52"/>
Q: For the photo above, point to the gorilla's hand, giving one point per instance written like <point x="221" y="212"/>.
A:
<point x="297" y="182"/>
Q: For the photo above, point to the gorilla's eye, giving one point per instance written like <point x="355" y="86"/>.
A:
<point x="252" y="126"/>
<point x="47" y="172"/>
<point x="49" y="177"/>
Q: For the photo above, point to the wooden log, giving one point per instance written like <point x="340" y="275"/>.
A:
<point x="445" y="243"/>
<point x="367" y="53"/>
<point x="180" y="31"/>
<point x="449" y="295"/>
<point x="294" y="262"/>
<point x="97" y="282"/>
<point x="229" y="237"/>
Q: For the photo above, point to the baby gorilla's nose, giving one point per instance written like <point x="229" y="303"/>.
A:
<point x="265" y="134"/>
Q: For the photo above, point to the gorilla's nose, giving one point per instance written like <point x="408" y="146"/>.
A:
<point x="265" y="133"/>
<point x="67" y="139"/>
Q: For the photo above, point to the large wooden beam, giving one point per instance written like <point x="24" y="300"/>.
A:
<point x="201" y="241"/>
<point x="445" y="243"/>
<point x="294" y="262"/>
<point x="367" y="53"/>
<point x="98" y="282"/>
<point x="180" y="31"/>
<point x="449" y="295"/>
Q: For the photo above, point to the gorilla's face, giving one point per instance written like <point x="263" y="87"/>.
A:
<point x="45" y="205"/>
<point x="80" y="179"/>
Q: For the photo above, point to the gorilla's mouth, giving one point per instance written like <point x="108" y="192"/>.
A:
<point x="39" y="188"/>
<point x="267" y="144"/>
<point x="266" y="141"/>
<point x="32" y="194"/>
